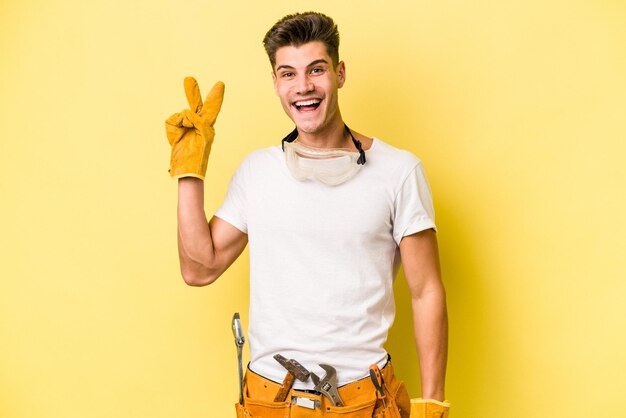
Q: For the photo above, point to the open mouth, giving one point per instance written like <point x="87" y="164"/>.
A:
<point x="307" y="105"/>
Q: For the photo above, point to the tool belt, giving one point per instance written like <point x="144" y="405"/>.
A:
<point x="359" y="399"/>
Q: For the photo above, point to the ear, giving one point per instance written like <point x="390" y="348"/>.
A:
<point x="275" y="80"/>
<point x="341" y="74"/>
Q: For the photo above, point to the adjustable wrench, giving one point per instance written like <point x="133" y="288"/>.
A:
<point x="328" y="385"/>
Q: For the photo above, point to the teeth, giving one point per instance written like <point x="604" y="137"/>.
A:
<point x="308" y="102"/>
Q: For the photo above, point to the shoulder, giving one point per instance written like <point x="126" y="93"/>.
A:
<point x="259" y="167"/>
<point x="260" y="157"/>
<point x="384" y="153"/>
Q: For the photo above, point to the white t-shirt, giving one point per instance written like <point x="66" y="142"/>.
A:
<point x="323" y="258"/>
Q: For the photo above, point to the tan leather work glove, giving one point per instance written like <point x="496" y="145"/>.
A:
<point x="429" y="408"/>
<point x="191" y="131"/>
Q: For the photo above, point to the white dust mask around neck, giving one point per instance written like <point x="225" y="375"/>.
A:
<point x="331" y="166"/>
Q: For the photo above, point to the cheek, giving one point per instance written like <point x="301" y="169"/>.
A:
<point x="329" y="86"/>
<point x="284" y="98"/>
<point x="282" y="91"/>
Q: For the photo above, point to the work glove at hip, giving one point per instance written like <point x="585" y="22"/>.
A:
<point x="191" y="131"/>
<point x="429" y="408"/>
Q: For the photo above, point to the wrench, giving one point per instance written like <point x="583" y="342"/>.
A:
<point x="328" y="385"/>
<point x="239" y="342"/>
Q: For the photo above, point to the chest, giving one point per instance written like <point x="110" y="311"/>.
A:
<point x="355" y="212"/>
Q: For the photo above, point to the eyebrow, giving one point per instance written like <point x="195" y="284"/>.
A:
<point x="289" y="67"/>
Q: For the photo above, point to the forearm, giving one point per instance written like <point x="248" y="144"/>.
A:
<point x="430" y="320"/>
<point x="195" y="244"/>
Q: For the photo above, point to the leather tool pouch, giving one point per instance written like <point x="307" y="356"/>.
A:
<point x="397" y="400"/>
<point x="359" y="398"/>
<point x="258" y="399"/>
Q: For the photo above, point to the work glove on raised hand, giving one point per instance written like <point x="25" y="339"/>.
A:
<point x="429" y="408"/>
<point x="191" y="131"/>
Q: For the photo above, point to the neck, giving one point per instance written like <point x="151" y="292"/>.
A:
<point x="332" y="135"/>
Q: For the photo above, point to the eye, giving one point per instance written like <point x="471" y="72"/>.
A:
<point x="317" y="70"/>
<point x="286" y="74"/>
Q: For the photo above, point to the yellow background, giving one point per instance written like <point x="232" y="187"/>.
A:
<point x="517" y="109"/>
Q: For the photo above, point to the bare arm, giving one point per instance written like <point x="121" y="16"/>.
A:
<point x="420" y="260"/>
<point x="205" y="249"/>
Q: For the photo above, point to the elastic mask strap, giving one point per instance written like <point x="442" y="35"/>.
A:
<point x="358" y="146"/>
<point x="294" y="134"/>
<point x="289" y="138"/>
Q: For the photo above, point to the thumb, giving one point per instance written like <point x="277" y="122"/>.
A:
<point x="191" y="120"/>
<point x="174" y="120"/>
<point x="213" y="103"/>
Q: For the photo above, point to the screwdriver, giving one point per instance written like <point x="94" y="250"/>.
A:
<point x="377" y="380"/>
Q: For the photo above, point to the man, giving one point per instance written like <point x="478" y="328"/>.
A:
<point x="328" y="214"/>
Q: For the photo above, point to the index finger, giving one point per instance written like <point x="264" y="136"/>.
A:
<point x="192" y="91"/>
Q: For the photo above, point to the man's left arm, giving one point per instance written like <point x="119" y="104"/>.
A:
<point x="420" y="261"/>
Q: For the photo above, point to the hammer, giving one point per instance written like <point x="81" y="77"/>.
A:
<point x="294" y="371"/>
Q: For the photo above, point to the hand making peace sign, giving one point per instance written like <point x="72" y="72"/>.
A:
<point x="191" y="131"/>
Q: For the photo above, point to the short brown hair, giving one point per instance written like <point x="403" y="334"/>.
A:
<point x="301" y="28"/>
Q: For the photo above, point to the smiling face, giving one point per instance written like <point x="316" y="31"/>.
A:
<point x="306" y="81"/>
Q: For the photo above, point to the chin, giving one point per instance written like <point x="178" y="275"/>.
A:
<point x="306" y="126"/>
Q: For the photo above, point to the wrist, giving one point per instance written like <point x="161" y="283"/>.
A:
<point x="437" y="395"/>
<point x="190" y="180"/>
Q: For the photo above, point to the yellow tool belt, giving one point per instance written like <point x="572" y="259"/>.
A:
<point x="359" y="398"/>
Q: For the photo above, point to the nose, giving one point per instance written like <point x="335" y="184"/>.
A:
<point x="304" y="85"/>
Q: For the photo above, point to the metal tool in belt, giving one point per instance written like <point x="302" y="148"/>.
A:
<point x="295" y="370"/>
<point x="328" y="384"/>
<point x="239" y="342"/>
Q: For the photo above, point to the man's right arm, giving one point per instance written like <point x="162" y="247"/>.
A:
<point x="205" y="249"/>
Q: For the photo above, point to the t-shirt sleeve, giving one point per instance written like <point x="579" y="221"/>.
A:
<point x="233" y="210"/>
<point x="413" y="205"/>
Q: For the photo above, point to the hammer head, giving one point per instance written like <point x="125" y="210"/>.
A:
<point x="293" y="367"/>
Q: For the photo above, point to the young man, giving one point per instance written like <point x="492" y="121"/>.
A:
<point x="329" y="214"/>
